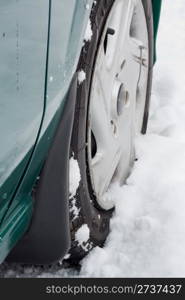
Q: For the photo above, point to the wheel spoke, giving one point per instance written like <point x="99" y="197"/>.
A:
<point x="104" y="165"/>
<point x="100" y="114"/>
<point x="131" y="72"/>
<point x="108" y="152"/>
<point x="104" y="79"/>
<point x="120" y="21"/>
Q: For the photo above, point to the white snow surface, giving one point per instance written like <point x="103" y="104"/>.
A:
<point x="81" y="76"/>
<point x="88" y="32"/>
<point x="74" y="181"/>
<point x="74" y="176"/>
<point x="147" y="237"/>
<point x="82" y="236"/>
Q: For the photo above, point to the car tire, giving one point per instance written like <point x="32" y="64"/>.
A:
<point x="92" y="219"/>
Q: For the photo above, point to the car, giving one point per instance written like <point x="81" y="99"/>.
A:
<point x="75" y="85"/>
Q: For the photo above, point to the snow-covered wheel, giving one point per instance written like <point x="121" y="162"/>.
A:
<point x="115" y="75"/>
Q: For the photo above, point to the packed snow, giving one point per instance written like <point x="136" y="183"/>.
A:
<point x="74" y="181"/>
<point x="81" y="76"/>
<point x="147" y="237"/>
<point x="88" y="32"/>
<point x="74" y="176"/>
<point x="82" y="236"/>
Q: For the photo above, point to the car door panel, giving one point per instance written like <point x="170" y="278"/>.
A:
<point x="57" y="87"/>
<point x="68" y="25"/>
<point x="23" y="46"/>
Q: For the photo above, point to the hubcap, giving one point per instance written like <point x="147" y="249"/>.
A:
<point x="117" y="98"/>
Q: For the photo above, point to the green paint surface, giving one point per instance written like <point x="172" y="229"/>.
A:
<point x="156" y="15"/>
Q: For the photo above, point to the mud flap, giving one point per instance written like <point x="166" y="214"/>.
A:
<point x="48" y="238"/>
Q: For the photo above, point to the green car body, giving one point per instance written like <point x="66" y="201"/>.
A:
<point x="38" y="61"/>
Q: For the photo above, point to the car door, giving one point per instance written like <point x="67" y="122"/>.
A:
<point x="23" y="51"/>
<point x="68" y="23"/>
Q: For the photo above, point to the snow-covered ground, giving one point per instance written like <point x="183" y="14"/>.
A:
<point x="147" y="235"/>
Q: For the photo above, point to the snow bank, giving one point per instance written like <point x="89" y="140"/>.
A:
<point x="148" y="230"/>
